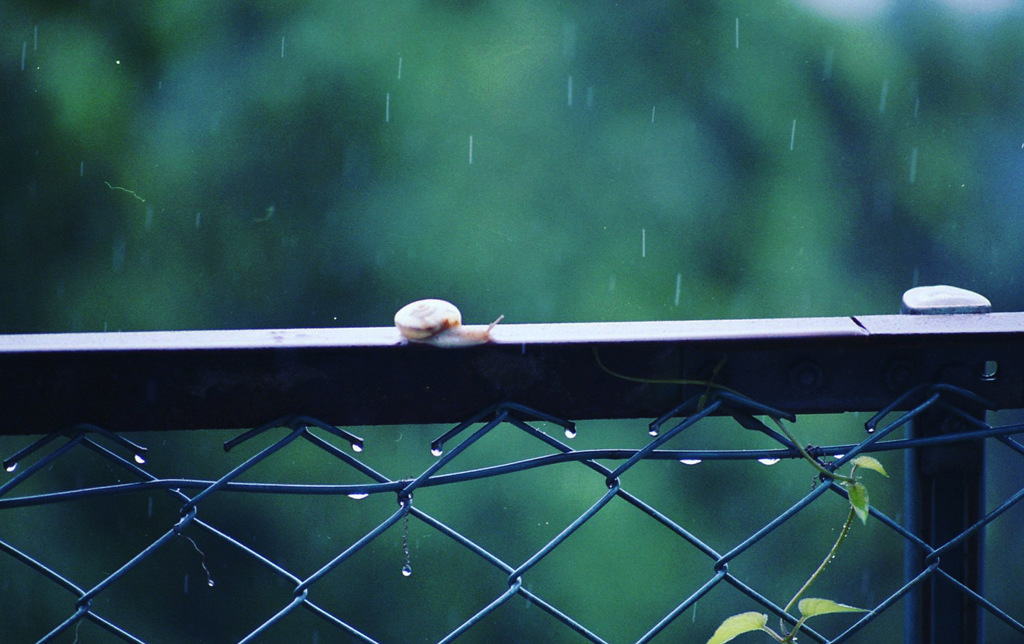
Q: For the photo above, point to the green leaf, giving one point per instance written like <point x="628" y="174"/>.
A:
<point x="859" y="500"/>
<point x="738" y="625"/>
<point x="812" y="607"/>
<point x="869" y="463"/>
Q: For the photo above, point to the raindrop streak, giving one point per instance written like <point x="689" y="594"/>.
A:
<point x="470" y="149"/>
<point x="407" y="566"/>
<point x="399" y="68"/>
<point x="689" y="461"/>
<point x="149" y="508"/>
<point x="737" y="33"/>
<point x="768" y="461"/>
<point x="653" y="107"/>
<point x="35" y="38"/>
<point x="792" y="135"/>
<point x="679" y="286"/>
<point x="282" y="46"/>
<point x="202" y="562"/>
<point x="387" y="107"/>
<point x="643" y="242"/>
<point x="199" y="217"/>
<point x="917" y="104"/>
<point x="913" y="164"/>
<point x="569" y="91"/>
<point x="81" y="169"/>
<point x="885" y="94"/>
<point x="24" y="52"/>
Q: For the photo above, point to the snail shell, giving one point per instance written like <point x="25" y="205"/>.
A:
<point x="439" y="323"/>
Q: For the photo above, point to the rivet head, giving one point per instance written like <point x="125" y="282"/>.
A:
<point x="900" y="374"/>
<point x="806" y="375"/>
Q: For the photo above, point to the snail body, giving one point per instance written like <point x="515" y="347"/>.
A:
<point x="439" y="323"/>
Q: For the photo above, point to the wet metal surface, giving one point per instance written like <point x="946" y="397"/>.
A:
<point x="364" y="376"/>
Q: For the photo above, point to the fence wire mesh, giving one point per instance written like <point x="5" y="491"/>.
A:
<point x="513" y="525"/>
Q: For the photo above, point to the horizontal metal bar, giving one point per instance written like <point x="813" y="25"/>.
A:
<point x="367" y="376"/>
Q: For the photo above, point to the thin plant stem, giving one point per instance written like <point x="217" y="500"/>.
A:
<point x="667" y="381"/>
<point x="824" y="471"/>
<point x="817" y="573"/>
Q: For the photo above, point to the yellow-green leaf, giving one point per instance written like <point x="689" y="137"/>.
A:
<point x="859" y="500"/>
<point x="811" y="607"/>
<point x="738" y="625"/>
<point x="869" y="463"/>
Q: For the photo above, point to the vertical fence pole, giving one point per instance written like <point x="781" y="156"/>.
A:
<point x="945" y="495"/>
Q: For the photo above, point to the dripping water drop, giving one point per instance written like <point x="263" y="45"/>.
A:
<point x="436" y="450"/>
<point x="358" y="496"/>
<point x="689" y="461"/>
<point x="570" y="432"/>
<point x="768" y="461"/>
<point x="12" y="466"/>
<point x="357" y="447"/>
<point x="140" y="458"/>
<point x="406" y="570"/>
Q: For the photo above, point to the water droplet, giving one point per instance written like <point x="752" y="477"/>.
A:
<point x="12" y="466"/>
<point x="652" y="432"/>
<point x="209" y="582"/>
<point x="436" y="450"/>
<point x="768" y="461"/>
<point x="838" y="456"/>
<point x="357" y="447"/>
<point x="140" y="458"/>
<point x="570" y="432"/>
<point x="406" y="570"/>
<point x="689" y="461"/>
<point x="358" y="496"/>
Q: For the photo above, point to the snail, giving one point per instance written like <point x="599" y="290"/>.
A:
<point x="439" y="323"/>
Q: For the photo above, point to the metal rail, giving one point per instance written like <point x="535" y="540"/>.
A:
<point x="364" y="376"/>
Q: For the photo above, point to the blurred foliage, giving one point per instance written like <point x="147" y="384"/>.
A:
<point x="309" y="165"/>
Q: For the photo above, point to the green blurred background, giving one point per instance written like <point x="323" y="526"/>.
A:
<point x="308" y="164"/>
<point x="181" y="165"/>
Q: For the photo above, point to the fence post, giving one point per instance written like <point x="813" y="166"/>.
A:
<point x="945" y="495"/>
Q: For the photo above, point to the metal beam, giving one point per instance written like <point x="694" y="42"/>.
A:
<point x="366" y="376"/>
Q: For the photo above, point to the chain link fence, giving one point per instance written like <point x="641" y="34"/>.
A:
<point x="518" y="525"/>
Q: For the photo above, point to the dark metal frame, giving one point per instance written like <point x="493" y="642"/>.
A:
<point x="202" y="379"/>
